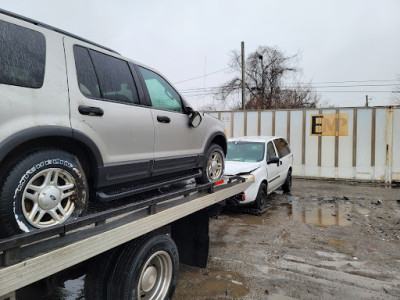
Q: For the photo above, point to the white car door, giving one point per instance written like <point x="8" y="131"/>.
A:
<point x="273" y="169"/>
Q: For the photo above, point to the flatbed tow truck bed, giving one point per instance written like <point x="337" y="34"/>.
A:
<point x="182" y="214"/>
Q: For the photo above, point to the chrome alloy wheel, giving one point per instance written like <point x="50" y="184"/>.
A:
<point x="48" y="198"/>
<point x="155" y="277"/>
<point x="215" y="165"/>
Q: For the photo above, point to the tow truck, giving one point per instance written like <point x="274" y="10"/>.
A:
<point x="132" y="251"/>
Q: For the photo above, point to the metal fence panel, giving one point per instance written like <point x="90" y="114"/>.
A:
<point x="346" y="143"/>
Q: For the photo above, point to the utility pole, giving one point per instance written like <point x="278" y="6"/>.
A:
<point x="243" y="80"/>
<point x="366" y="100"/>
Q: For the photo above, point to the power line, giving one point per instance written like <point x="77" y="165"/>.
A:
<point x="202" y="75"/>
<point x="356" y="81"/>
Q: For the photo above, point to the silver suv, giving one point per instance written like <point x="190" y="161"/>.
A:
<point x="78" y="119"/>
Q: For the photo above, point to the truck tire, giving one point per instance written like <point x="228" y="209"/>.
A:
<point x="261" y="200"/>
<point x="43" y="189"/>
<point x="147" y="269"/>
<point x="98" y="273"/>
<point x="287" y="186"/>
<point x="214" y="165"/>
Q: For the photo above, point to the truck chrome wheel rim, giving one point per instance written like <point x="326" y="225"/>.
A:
<point x="214" y="165"/>
<point x="48" y="198"/>
<point x="156" y="277"/>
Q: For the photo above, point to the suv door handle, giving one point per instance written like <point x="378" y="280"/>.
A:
<point x="90" y="111"/>
<point x="163" y="119"/>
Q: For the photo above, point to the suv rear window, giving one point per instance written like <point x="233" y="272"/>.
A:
<point x="104" y="76"/>
<point x="22" y="56"/>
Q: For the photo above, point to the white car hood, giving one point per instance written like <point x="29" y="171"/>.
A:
<point x="238" y="167"/>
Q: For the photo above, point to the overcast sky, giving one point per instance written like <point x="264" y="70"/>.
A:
<point x="339" y="40"/>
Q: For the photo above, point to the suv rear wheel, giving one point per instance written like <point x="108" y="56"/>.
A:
<point x="213" y="168"/>
<point x="43" y="189"/>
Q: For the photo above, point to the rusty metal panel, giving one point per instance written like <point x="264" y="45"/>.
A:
<point x="252" y="123"/>
<point x="311" y="148"/>
<point x="345" y="165"/>
<point x="266" y="123"/>
<point x="364" y="142"/>
<point x="227" y="119"/>
<point x="380" y="144"/>
<point x="328" y="148"/>
<point x="296" y="141"/>
<point x="396" y="145"/>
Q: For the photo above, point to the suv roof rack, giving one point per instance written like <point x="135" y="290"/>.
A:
<point x="14" y="15"/>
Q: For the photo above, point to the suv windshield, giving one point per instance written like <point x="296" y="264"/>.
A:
<point x="245" y="151"/>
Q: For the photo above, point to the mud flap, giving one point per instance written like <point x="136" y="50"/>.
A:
<point x="191" y="236"/>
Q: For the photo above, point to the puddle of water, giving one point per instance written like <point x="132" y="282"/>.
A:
<point x="321" y="213"/>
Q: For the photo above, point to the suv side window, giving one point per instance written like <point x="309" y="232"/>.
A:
<point x="282" y="147"/>
<point x="270" y="150"/>
<point x="162" y="94"/>
<point x="104" y="76"/>
<point x="22" y="56"/>
<point x="87" y="78"/>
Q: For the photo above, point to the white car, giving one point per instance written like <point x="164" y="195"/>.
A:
<point x="266" y="159"/>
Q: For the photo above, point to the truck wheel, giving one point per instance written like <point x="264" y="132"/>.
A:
<point x="261" y="199"/>
<point x="43" y="189"/>
<point x="287" y="186"/>
<point x="213" y="168"/>
<point x="147" y="269"/>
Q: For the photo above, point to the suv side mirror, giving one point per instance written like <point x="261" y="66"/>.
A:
<point x="273" y="160"/>
<point x="195" y="119"/>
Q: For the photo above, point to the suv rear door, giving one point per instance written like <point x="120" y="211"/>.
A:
<point x="105" y="106"/>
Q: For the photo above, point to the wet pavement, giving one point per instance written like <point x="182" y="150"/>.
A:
<point x="326" y="240"/>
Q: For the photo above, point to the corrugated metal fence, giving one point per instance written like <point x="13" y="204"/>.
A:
<point x="345" y="143"/>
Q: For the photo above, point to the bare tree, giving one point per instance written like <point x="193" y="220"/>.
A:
<point x="266" y="69"/>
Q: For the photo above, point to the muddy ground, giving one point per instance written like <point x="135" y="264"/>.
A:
<point x="327" y="240"/>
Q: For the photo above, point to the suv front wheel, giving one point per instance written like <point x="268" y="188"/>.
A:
<point x="214" y="164"/>
<point x="43" y="189"/>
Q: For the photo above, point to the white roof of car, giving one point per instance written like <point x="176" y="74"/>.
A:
<point x="253" y="138"/>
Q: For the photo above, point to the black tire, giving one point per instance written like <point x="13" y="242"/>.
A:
<point x="98" y="274"/>
<point x="262" y="196"/>
<point x="45" y="188"/>
<point x="287" y="186"/>
<point x="137" y="272"/>
<point x="214" y="156"/>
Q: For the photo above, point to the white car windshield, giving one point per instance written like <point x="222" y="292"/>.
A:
<point x="245" y="151"/>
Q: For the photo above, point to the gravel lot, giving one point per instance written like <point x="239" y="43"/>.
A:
<point x="327" y="240"/>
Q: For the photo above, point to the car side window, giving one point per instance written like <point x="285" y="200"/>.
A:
<point x="22" y="56"/>
<point x="270" y="150"/>
<point x="104" y="76"/>
<point x="282" y="147"/>
<point x="162" y="94"/>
